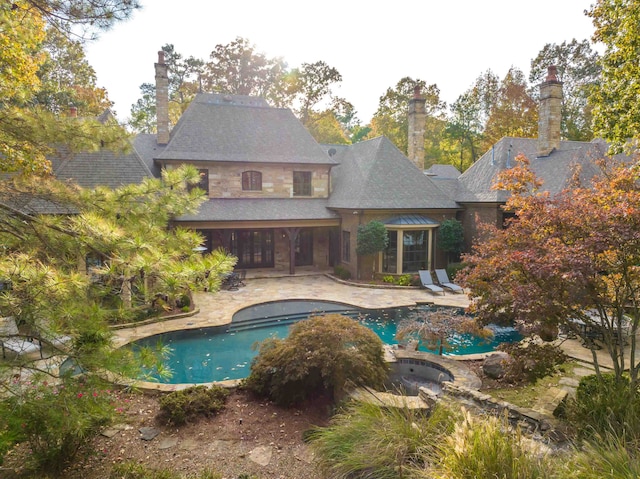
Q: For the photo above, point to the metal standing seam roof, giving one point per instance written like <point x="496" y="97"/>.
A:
<point x="410" y="220"/>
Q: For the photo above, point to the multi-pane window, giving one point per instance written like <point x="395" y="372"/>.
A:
<point x="301" y="183"/>
<point x="251" y="181"/>
<point x="346" y="246"/>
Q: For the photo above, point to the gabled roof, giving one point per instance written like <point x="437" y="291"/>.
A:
<point x="147" y="147"/>
<point x="261" y="209"/>
<point x="555" y="170"/>
<point x="233" y="128"/>
<point x="100" y="168"/>
<point x="374" y="174"/>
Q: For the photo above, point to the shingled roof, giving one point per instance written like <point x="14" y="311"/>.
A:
<point x="241" y="129"/>
<point x="374" y="174"/>
<point x="554" y="170"/>
<point x="261" y="209"/>
<point x="100" y="168"/>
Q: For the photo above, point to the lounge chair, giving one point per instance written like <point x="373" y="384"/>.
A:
<point x="10" y="339"/>
<point x="443" y="280"/>
<point x="427" y="282"/>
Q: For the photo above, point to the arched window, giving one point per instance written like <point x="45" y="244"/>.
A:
<point x="251" y="181"/>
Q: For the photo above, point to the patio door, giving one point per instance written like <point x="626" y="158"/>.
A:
<point x="254" y="248"/>
<point x="304" y="247"/>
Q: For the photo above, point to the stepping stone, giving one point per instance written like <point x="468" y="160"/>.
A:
<point x="582" y="372"/>
<point x="548" y="403"/>
<point x="168" y="443"/>
<point x="188" y="445"/>
<point x="261" y="455"/>
<point x="571" y="382"/>
<point x="148" y="433"/>
<point x="304" y="454"/>
<point x="112" y="431"/>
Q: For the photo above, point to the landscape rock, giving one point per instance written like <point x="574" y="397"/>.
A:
<point x="495" y="365"/>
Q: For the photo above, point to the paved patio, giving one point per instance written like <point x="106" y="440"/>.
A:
<point x="217" y="308"/>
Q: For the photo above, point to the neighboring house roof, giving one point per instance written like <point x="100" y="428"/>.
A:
<point x="555" y="170"/>
<point x="262" y="209"/>
<point x="374" y="174"/>
<point x="101" y="168"/>
<point x="241" y="130"/>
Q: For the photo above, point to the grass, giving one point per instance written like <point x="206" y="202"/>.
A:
<point x="527" y="395"/>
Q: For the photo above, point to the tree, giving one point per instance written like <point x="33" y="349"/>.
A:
<point x="616" y="112"/>
<point x="185" y="80"/>
<point x="451" y="237"/>
<point x="569" y="260"/>
<point x="579" y="72"/>
<point x="436" y="328"/>
<point x="28" y="132"/>
<point x="66" y="78"/>
<point x="238" y="69"/>
<point x="323" y="354"/>
<point x="79" y="18"/>
<point x="515" y="112"/>
<point x="372" y="238"/>
<point x="310" y="85"/>
<point x="390" y="119"/>
<point x="464" y="127"/>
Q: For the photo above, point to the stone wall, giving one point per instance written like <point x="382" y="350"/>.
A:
<point x="225" y="180"/>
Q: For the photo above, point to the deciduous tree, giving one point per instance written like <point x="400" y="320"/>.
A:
<point x="514" y="113"/>
<point x="569" y="260"/>
<point x="616" y="111"/>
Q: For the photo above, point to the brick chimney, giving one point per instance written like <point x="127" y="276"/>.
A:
<point x="417" y="123"/>
<point x="549" y="113"/>
<point x="162" y="100"/>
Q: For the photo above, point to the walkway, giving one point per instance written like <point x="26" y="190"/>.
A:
<point x="218" y="308"/>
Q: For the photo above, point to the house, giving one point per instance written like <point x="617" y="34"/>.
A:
<point x="278" y="200"/>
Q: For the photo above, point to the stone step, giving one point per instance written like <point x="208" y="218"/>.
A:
<point x="549" y="402"/>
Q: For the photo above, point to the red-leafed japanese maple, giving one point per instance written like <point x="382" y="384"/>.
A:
<point x="570" y="260"/>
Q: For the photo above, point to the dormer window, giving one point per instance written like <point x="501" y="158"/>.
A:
<point x="301" y="183"/>
<point x="251" y="181"/>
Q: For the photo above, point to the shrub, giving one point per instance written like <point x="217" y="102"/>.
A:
<point x="604" y="405"/>
<point x="55" y="420"/>
<point x="180" y="407"/>
<point x="609" y="457"/>
<point x="368" y="440"/>
<point x="453" y="268"/>
<point x="532" y="361"/>
<point x="341" y="272"/>
<point x="320" y="356"/>
<point x="485" y="448"/>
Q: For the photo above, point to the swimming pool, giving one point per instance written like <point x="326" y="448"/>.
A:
<point x="225" y="352"/>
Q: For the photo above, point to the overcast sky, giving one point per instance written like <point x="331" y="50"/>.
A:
<point x="372" y="44"/>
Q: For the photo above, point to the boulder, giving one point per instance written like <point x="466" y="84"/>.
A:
<point x="495" y="365"/>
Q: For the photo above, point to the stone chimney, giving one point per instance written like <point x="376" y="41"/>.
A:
<point x="417" y="123"/>
<point x="549" y="113"/>
<point x="162" y="100"/>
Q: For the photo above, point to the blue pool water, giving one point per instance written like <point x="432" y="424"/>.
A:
<point x="225" y="352"/>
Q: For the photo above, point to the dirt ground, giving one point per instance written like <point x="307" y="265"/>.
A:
<point x="230" y="443"/>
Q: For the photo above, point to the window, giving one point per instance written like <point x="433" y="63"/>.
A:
<point x="346" y="246"/>
<point x="203" y="184"/>
<point x="301" y="183"/>
<point x="251" y="181"/>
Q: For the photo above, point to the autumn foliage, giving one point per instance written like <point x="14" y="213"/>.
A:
<point x="573" y="256"/>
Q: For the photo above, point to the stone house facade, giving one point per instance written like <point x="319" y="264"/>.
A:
<point x="278" y="200"/>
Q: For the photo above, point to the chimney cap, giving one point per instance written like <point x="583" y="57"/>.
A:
<point x="161" y="57"/>
<point x="552" y="73"/>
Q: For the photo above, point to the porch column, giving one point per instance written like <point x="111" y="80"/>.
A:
<point x="292" y="234"/>
<point x="400" y="253"/>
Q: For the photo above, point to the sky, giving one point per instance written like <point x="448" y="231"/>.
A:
<point x="372" y="44"/>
